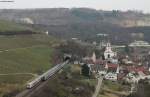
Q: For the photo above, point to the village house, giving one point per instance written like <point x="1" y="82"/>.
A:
<point x="112" y="71"/>
<point x="132" y="74"/>
<point x="95" y="65"/>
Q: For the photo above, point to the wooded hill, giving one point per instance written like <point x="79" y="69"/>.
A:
<point x="83" y="22"/>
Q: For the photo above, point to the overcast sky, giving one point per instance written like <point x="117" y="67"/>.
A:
<point x="143" y="5"/>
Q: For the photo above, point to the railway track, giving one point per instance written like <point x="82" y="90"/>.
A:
<point x="40" y="84"/>
<point x="30" y="92"/>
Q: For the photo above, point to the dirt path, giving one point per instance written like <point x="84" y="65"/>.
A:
<point x="98" y="87"/>
<point x="19" y="74"/>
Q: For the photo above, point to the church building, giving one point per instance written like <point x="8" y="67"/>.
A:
<point x="108" y="53"/>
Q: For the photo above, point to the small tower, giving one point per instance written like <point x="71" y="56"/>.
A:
<point x="94" y="57"/>
<point x="118" y="69"/>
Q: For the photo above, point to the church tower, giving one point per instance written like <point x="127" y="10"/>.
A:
<point x="108" y="53"/>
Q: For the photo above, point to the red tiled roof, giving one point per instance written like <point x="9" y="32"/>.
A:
<point x="136" y="69"/>
<point x="112" y="65"/>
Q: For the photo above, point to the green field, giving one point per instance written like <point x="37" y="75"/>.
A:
<point x="15" y="79"/>
<point x="21" y="41"/>
<point x="26" y="60"/>
<point x="25" y="54"/>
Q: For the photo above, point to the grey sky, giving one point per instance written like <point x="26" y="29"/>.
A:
<point x="143" y="5"/>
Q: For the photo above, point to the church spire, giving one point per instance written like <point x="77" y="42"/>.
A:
<point x="106" y="66"/>
<point x="94" y="57"/>
<point x="118" y="69"/>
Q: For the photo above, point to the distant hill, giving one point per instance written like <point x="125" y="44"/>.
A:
<point x="83" y="22"/>
<point x="63" y="16"/>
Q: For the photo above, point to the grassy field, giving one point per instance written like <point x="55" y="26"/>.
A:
<point x="25" y="53"/>
<point x="113" y="89"/>
<point x="25" y="60"/>
<point x="113" y="85"/>
<point x="21" y="41"/>
<point x="15" y="79"/>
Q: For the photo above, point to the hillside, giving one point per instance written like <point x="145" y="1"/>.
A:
<point x="83" y="22"/>
<point x="65" y="16"/>
<point x="23" y="57"/>
<point x="12" y="28"/>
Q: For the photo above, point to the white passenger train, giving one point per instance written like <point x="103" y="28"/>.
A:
<point x="34" y="82"/>
<point x="46" y="75"/>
